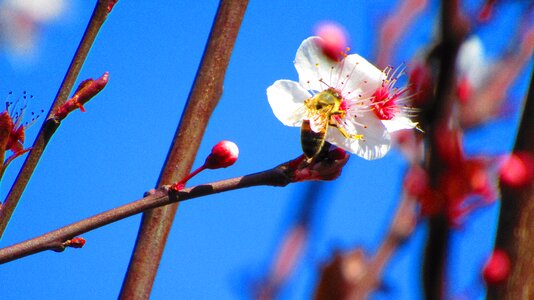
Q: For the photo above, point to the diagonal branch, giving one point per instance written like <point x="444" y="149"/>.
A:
<point x="55" y="240"/>
<point x="100" y="13"/>
<point x="515" y="234"/>
<point x="203" y="98"/>
<point x="289" y="172"/>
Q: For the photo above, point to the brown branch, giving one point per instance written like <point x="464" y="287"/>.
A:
<point x="203" y="98"/>
<point x="100" y="13"/>
<point x="351" y="275"/>
<point x="54" y="240"/>
<point x="454" y="28"/>
<point x="515" y="233"/>
<point x="292" y="171"/>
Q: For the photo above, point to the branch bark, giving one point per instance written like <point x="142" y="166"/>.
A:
<point x="55" y="240"/>
<point x="515" y="233"/>
<point x="296" y="170"/>
<point x="351" y="275"/>
<point x="49" y="127"/>
<point x="204" y="96"/>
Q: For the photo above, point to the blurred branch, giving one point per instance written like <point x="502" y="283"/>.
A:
<point x="203" y="98"/>
<point x="454" y="28"/>
<point x="292" y="171"/>
<point x="515" y="233"/>
<point x="488" y="100"/>
<point x="395" y="27"/>
<point x="100" y="13"/>
<point x="351" y="275"/>
<point x="292" y="245"/>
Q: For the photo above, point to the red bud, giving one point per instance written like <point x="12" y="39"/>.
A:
<point x="497" y="267"/>
<point x="223" y="155"/>
<point x="334" y="40"/>
<point x="517" y="170"/>
<point x="85" y="91"/>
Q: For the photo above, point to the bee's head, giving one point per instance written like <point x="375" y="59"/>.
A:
<point x="329" y="97"/>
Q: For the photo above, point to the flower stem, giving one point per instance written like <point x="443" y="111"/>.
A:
<point x="191" y="175"/>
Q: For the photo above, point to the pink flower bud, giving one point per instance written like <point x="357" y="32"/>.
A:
<point x="517" y="170"/>
<point x="334" y="40"/>
<point x="6" y="128"/>
<point x="223" y="155"/>
<point x="77" y="242"/>
<point x="111" y="3"/>
<point x="497" y="267"/>
<point x="486" y="11"/>
<point x="86" y="90"/>
<point x="464" y="90"/>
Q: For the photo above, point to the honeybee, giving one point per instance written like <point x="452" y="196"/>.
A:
<point x="323" y="110"/>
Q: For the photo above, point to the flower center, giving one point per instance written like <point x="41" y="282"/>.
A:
<point x="384" y="102"/>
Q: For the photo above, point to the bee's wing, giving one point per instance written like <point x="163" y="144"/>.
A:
<point x="319" y="120"/>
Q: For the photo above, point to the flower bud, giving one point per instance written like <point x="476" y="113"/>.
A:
<point x="77" y="242"/>
<point x="85" y="92"/>
<point x="111" y="3"/>
<point x="6" y="127"/>
<point x="497" y="267"/>
<point x="517" y="170"/>
<point x="223" y="155"/>
<point x="334" y="40"/>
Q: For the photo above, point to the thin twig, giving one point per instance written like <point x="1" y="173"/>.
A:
<point x="100" y="13"/>
<point x="351" y="276"/>
<point x="204" y="96"/>
<point x="54" y="240"/>
<point x="295" y="170"/>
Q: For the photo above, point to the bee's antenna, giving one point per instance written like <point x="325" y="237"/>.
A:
<point x="323" y="82"/>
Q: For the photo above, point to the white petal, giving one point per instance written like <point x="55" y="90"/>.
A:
<point x="359" y="77"/>
<point x="286" y="98"/>
<point x="471" y="61"/>
<point x="376" y="139"/>
<point x="354" y="76"/>
<point x="399" y="123"/>
<point x="313" y="66"/>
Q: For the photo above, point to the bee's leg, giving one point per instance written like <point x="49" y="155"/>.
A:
<point x="346" y="134"/>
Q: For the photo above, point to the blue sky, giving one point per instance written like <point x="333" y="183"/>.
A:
<point x="219" y="244"/>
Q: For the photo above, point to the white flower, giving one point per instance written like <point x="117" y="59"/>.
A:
<point x="471" y="63"/>
<point x="355" y="126"/>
